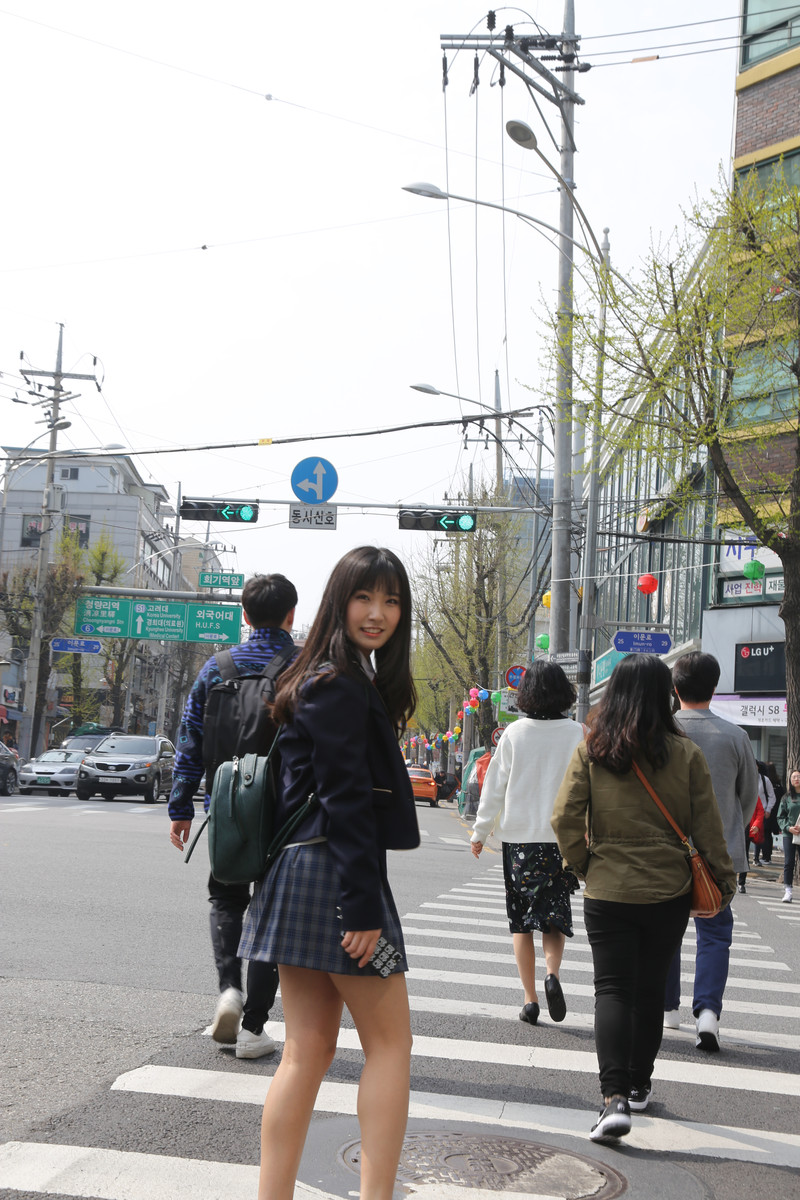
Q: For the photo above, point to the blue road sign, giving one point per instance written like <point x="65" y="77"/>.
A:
<point x="314" y="480"/>
<point x="642" y="641"/>
<point x="76" y="646"/>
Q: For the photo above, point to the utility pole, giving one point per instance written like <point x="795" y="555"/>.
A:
<point x="589" y="571"/>
<point x="517" y="54"/>
<point x="27" y="748"/>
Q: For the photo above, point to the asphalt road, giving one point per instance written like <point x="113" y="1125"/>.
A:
<point x="108" y="1087"/>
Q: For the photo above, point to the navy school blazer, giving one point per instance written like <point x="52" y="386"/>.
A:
<point x="340" y="744"/>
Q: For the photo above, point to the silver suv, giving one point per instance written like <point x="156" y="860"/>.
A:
<point x="128" y="765"/>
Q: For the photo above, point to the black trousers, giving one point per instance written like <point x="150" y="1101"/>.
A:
<point x="632" y="947"/>
<point x="228" y="904"/>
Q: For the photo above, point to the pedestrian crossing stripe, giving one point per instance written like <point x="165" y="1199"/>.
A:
<point x="648" y="1133"/>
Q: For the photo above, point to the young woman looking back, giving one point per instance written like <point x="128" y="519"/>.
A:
<point x="326" y="901"/>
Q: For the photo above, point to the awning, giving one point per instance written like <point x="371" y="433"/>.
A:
<point x="751" y="710"/>
<point x="9" y="714"/>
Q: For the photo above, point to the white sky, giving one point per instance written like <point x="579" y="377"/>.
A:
<point x="324" y="292"/>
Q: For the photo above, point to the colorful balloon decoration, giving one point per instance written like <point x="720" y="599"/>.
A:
<point x="483" y="694"/>
<point x="495" y="697"/>
<point x="543" y="641"/>
<point x="473" y="692"/>
<point x="457" y="730"/>
<point x="754" y="569"/>
<point x="647" y="584"/>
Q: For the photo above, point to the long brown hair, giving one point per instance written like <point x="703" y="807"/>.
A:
<point x="634" y="713"/>
<point x="329" y="649"/>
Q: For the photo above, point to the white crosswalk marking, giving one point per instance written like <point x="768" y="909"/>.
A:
<point x="460" y="951"/>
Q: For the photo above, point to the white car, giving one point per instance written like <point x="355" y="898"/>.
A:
<point x="53" y="771"/>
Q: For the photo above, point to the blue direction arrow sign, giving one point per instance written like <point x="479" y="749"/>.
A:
<point x="314" y="480"/>
<point x="642" y="641"/>
<point x="76" y="646"/>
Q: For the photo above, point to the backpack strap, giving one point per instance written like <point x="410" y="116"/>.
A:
<point x="278" y="661"/>
<point x="227" y="667"/>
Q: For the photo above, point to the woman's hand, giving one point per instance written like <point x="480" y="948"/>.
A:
<point x="361" y="944"/>
<point x="794" y="829"/>
<point x="476" y="848"/>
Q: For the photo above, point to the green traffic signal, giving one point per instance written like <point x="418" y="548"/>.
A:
<point x="445" y="520"/>
<point x="219" y="510"/>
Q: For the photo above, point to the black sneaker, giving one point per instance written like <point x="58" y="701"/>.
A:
<point x="639" y="1098"/>
<point x="614" y="1121"/>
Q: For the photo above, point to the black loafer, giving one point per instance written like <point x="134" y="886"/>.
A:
<point x="530" y="1013"/>
<point x="556" y="1004"/>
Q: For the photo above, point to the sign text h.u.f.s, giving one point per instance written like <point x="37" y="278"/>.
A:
<point x="230" y="511"/>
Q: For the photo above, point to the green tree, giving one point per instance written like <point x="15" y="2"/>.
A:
<point x="702" y="368"/>
<point x="17" y="590"/>
<point x="103" y="564"/>
<point x="472" y="601"/>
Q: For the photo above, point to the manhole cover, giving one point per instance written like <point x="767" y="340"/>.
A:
<point x="498" y="1164"/>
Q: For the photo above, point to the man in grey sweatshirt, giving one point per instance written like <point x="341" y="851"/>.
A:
<point x="734" y="775"/>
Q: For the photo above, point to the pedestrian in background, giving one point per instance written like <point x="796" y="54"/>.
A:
<point x="762" y="851"/>
<point x="638" y="878"/>
<point x="269" y="603"/>
<point x="517" y="801"/>
<point x="734" y="775"/>
<point x="322" y="907"/>
<point x="789" y="825"/>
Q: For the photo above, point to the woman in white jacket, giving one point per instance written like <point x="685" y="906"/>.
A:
<point x="517" y="802"/>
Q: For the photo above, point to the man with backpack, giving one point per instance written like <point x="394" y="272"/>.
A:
<point x="226" y="717"/>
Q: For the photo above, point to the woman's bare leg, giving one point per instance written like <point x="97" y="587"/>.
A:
<point x="312" y="1009"/>
<point x="525" y="954"/>
<point x="379" y="1008"/>
<point x="553" y="948"/>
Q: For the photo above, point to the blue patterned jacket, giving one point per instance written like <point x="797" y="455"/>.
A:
<point x="250" y="658"/>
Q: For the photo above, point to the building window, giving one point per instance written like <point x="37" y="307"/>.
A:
<point x="768" y="29"/>
<point x="80" y="526"/>
<point x="31" y="531"/>
<point x="69" y="472"/>
<point x="769" y="168"/>
<point x="763" y="388"/>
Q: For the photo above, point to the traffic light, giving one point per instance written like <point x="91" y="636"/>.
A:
<point x="219" y="510"/>
<point x="441" y="520"/>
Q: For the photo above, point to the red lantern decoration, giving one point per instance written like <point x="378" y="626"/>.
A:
<point x="647" y="584"/>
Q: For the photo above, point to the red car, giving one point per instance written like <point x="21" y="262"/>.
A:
<point x="424" y="785"/>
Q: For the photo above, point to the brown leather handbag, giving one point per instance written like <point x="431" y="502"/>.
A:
<point x="706" y="895"/>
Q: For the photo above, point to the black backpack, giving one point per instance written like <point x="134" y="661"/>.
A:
<point x="236" y="719"/>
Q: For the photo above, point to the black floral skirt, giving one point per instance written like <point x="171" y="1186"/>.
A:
<point x="537" y="888"/>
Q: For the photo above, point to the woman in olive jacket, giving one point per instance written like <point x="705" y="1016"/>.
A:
<point x="638" y="880"/>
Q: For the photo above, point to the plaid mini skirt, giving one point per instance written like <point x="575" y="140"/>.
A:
<point x="294" y="918"/>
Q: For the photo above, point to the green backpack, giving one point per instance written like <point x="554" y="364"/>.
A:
<point x="242" y="842"/>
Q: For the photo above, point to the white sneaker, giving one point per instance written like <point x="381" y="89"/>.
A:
<point x="787" y="896"/>
<point x="225" y="1025"/>
<point x="707" y="1031"/>
<point x="672" y="1018"/>
<point x="254" y="1045"/>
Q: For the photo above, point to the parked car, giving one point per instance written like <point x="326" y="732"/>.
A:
<point x="424" y="785"/>
<point x="127" y="764"/>
<point x="54" y="771"/>
<point x="9" y="771"/>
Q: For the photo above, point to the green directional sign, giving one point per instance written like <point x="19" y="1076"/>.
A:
<point x="214" y="623"/>
<point x="220" y="579"/>
<point x="158" y="621"/>
<point x="102" y="616"/>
